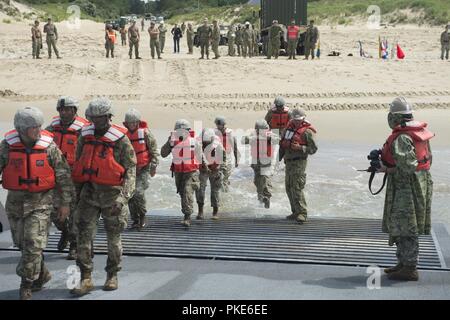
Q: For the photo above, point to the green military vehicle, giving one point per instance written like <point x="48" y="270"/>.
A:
<point x="283" y="11"/>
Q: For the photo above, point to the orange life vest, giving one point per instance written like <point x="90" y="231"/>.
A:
<point x="295" y="134"/>
<point x="137" y="139"/>
<point x="111" y="36"/>
<point x="66" y="138"/>
<point x="293" y="32"/>
<point x="261" y="147"/>
<point x="227" y="139"/>
<point x="184" y="159"/>
<point x="214" y="158"/>
<point x="279" y="119"/>
<point x="28" y="169"/>
<point x="97" y="163"/>
<point x="420" y="135"/>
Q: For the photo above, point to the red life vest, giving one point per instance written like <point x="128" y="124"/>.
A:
<point x="28" y="169"/>
<point x="184" y="159"/>
<point x="420" y="135"/>
<point x="137" y="139"/>
<point x="279" y="119"/>
<point x="66" y="138"/>
<point x="295" y="134"/>
<point x="97" y="163"/>
<point x="227" y="139"/>
<point x="214" y="158"/>
<point x="261" y="147"/>
<point x="293" y="32"/>
<point x="111" y="36"/>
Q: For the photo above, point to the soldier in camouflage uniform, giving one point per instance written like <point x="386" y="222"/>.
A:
<point x="190" y="34"/>
<point x="273" y="48"/>
<point x="311" y="38"/>
<point x="215" y="39"/>
<point x="297" y="143"/>
<point x="210" y="170"/>
<point x="247" y="40"/>
<point x="204" y="33"/>
<point x="230" y="147"/>
<point x="133" y="40"/>
<point x="262" y="142"/>
<point x="278" y="116"/>
<point x="146" y="148"/>
<point x="406" y="158"/>
<point x="256" y="38"/>
<point x="36" y="38"/>
<point x="445" y="43"/>
<point x="162" y="36"/>
<point x="186" y="159"/>
<point x="239" y="40"/>
<point x="231" y="36"/>
<point x="66" y="129"/>
<point x="105" y="168"/>
<point x="30" y="194"/>
<point x="52" y="38"/>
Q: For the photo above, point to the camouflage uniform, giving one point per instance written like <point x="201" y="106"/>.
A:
<point x="227" y="167"/>
<point x="295" y="179"/>
<point x="133" y="39"/>
<point x="52" y="38"/>
<point x="256" y="38"/>
<point x="29" y="214"/>
<point x="215" y="40"/>
<point x="36" y="37"/>
<point x="274" y="45"/>
<point x="137" y="204"/>
<point x="154" y="42"/>
<point x="162" y="36"/>
<point x="239" y="41"/>
<point x="247" y="41"/>
<point x="312" y="35"/>
<point x="190" y="39"/>
<point x="123" y="36"/>
<point x="231" y="35"/>
<point x="445" y="44"/>
<point x="204" y="34"/>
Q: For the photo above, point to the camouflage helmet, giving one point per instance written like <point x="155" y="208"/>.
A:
<point x="400" y="106"/>
<point x="99" y="107"/>
<point x="261" y="124"/>
<point x="298" y="114"/>
<point x="67" y="101"/>
<point x="279" y="102"/>
<point x="132" y="115"/>
<point x="220" y="120"/>
<point x="28" y="117"/>
<point x="208" y="135"/>
<point x="182" y="124"/>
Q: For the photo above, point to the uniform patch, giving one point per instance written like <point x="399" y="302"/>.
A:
<point x="39" y="163"/>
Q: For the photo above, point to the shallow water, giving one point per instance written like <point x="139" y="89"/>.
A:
<point x="334" y="188"/>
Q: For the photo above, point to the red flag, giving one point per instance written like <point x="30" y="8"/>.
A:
<point x="400" y="53"/>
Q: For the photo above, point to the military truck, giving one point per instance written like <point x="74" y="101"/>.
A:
<point x="283" y="11"/>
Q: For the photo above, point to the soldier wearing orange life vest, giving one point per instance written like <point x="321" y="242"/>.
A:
<point x="66" y="129"/>
<point x="210" y="170"/>
<point x="105" y="168"/>
<point x="187" y="158"/>
<point x="230" y="147"/>
<point x="278" y="116"/>
<point x="110" y="40"/>
<point x="32" y="166"/>
<point x="146" y="149"/>
<point x="297" y="143"/>
<point x="406" y="158"/>
<point x="262" y="142"/>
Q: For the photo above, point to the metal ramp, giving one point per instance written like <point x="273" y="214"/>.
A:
<point x="353" y="242"/>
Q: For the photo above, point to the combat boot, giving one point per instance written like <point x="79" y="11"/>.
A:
<point x="142" y="222"/>
<point x="25" y="289"/>
<point x="187" y="221"/>
<point x="301" y="219"/>
<point x="135" y="225"/>
<point x="44" y="277"/>
<point x="111" y="282"/>
<point x="215" y="213"/>
<point x="394" y="268"/>
<point x="266" y="203"/>
<point x="200" y="212"/>
<point x="405" y="274"/>
<point x="86" y="285"/>
<point x="63" y="240"/>
<point x="72" y="251"/>
<point x="292" y="216"/>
